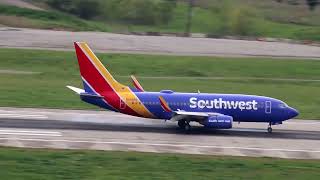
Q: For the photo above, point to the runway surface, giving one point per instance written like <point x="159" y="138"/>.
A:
<point x="109" y="42"/>
<point x="102" y="130"/>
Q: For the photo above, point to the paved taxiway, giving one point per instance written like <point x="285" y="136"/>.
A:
<point x="102" y="130"/>
<point x="109" y="42"/>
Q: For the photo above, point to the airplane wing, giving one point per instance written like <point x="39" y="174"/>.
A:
<point x="197" y="116"/>
<point x="201" y="114"/>
<point x="181" y="114"/>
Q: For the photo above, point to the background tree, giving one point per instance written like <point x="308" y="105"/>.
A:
<point x="86" y="9"/>
<point x="312" y="4"/>
<point x="63" y="5"/>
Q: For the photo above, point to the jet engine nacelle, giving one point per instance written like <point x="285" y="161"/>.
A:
<point x="218" y="122"/>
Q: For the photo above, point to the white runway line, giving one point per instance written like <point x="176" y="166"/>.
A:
<point x="30" y="133"/>
<point x="303" y="123"/>
<point x="22" y="116"/>
<point x="164" y="144"/>
<point x="246" y="129"/>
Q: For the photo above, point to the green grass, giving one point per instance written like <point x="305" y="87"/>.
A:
<point x="58" y="69"/>
<point x="244" y="18"/>
<point x="70" y="164"/>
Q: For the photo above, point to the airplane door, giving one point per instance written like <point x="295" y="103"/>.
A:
<point x="268" y="107"/>
<point x="122" y="104"/>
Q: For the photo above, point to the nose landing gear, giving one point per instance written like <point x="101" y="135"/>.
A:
<point x="269" y="128"/>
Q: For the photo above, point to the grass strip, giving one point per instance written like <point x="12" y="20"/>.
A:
<point x="75" y="164"/>
<point x="55" y="70"/>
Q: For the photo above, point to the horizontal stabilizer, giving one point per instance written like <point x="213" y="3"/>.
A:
<point x="75" y="89"/>
<point x="90" y="95"/>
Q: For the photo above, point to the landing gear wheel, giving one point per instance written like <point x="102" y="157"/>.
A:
<point x="182" y="124"/>
<point x="187" y="128"/>
<point x="270" y="130"/>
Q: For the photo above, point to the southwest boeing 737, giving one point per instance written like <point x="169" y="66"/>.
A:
<point x="217" y="111"/>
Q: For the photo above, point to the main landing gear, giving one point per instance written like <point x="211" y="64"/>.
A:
<point x="184" y="125"/>
<point x="269" y="128"/>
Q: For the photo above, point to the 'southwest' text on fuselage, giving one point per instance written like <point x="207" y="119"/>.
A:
<point x="223" y="104"/>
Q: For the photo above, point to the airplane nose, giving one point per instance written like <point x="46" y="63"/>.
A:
<point x="293" y="112"/>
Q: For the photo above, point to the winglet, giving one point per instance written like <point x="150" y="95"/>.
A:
<point x="164" y="104"/>
<point x="137" y="84"/>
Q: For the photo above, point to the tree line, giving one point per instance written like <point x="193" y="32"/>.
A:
<point x="312" y="4"/>
<point x="144" y="12"/>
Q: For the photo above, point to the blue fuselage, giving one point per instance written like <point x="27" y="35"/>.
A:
<point x="243" y="108"/>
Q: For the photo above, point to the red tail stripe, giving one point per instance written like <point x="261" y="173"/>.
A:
<point x="99" y="84"/>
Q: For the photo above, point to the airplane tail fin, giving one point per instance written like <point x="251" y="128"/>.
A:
<point x="96" y="78"/>
<point x="102" y="88"/>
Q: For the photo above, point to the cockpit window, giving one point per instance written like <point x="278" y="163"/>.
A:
<point x="282" y="105"/>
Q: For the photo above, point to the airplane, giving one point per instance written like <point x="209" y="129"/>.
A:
<point x="216" y="111"/>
